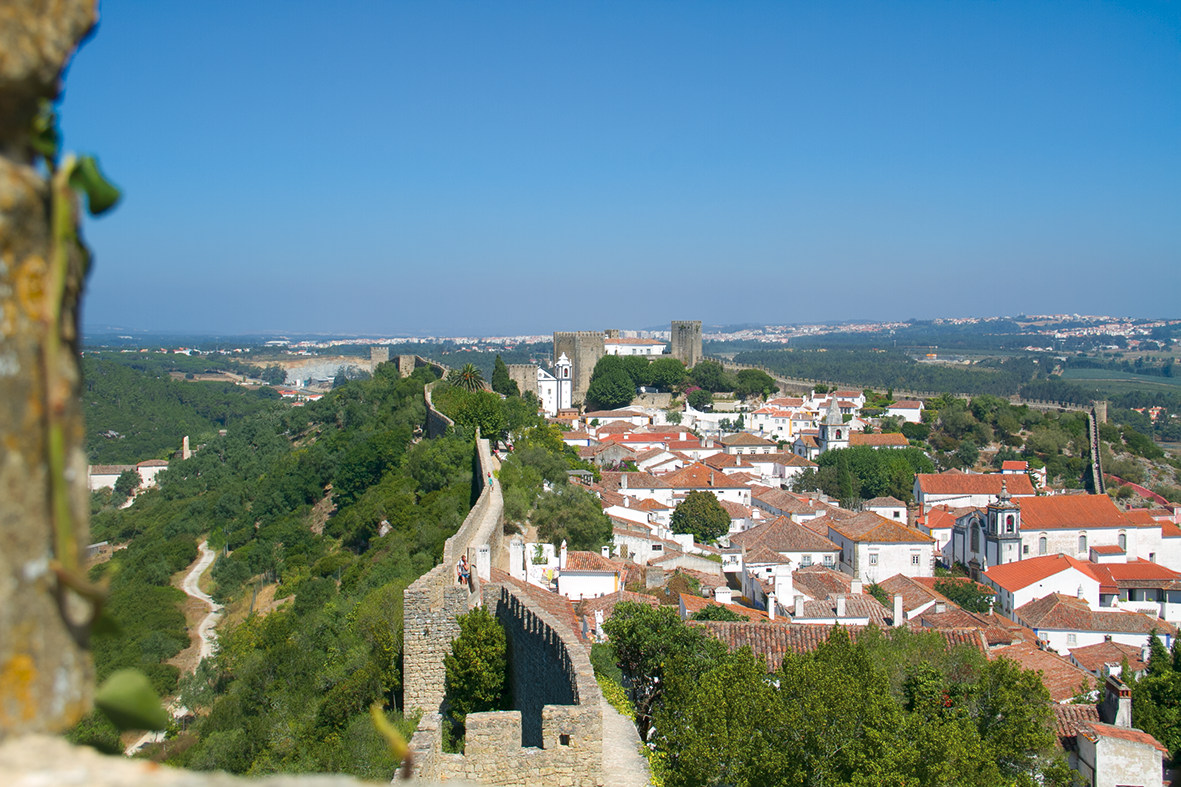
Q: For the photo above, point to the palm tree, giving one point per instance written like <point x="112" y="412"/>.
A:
<point x="469" y="378"/>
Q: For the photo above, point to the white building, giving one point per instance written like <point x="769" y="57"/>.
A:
<point x="555" y="390"/>
<point x="651" y="348"/>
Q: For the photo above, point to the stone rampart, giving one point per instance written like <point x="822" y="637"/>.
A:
<point x="556" y="735"/>
<point x="525" y="376"/>
<point x="437" y="424"/>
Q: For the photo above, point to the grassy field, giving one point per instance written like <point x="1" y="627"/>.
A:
<point x="1117" y="382"/>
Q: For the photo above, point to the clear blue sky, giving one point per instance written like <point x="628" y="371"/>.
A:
<point x="504" y="167"/>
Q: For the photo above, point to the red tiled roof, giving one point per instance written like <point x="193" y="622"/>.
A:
<point x="1067" y="613"/>
<point x="1023" y="573"/>
<point x="1095" y="731"/>
<point x="1094" y="658"/>
<point x="973" y="484"/>
<point x="695" y="604"/>
<point x="878" y="440"/>
<point x="1058" y="512"/>
<point x="1069" y="719"/>
<point x="589" y="561"/>
<point x="857" y="605"/>
<point x="1169" y="530"/>
<point x="745" y="438"/>
<point x="883" y="502"/>
<point x="783" y="535"/>
<point x="914" y="594"/>
<point x="761" y="554"/>
<point x="821" y="582"/>
<point x="1059" y="676"/>
<point x="153" y="463"/>
<point x="1108" y="549"/>
<point x="1014" y="464"/>
<point x="775" y="640"/>
<point x="868" y="527"/>
<point x="906" y="404"/>
<point x="698" y="476"/>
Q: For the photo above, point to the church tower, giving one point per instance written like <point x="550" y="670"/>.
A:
<point x="562" y="370"/>
<point x="834" y="432"/>
<point x="1003" y="529"/>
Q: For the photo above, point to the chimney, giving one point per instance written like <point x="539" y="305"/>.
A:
<point x="840" y="606"/>
<point x="855" y="587"/>
<point x="799" y="610"/>
<point x="771" y="606"/>
<point x="623" y="480"/>
<point x="605" y="551"/>
<point x="899" y="613"/>
<point x="1116" y="707"/>
<point x="516" y="563"/>
<point x="562" y="557"/>
<point x="723" y="594"/>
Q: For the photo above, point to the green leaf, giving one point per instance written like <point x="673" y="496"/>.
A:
<point x="101" y="194"/>
<point x="45" y="138"/>
<point x="128" y="700"/>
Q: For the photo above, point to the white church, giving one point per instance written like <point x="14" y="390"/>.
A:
<point x="556" y="391"/>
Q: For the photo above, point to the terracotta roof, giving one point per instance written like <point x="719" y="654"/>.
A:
<point x="1059" y="676"/>
<point x="109" y="469"/>
<point x="697" y="603"/>
<point x="1094" y="658"/>
<point x="1169" y="530"/>
<point x="723" y="461"/>
<point x="857" y="605"/>
<point x="781" y="500"/>
<point x="906" y="404"/>
<point x="606" y="604"/>
<point x="1069" y="719"/>
<point x="761" y="555"/>
<point x="1141" y="517"/>
<point x="589" y="561"/>
<point x="1138" y="574"/>
<point x="1095" y="731"/>
<point x="914" y="594"/>
<point x="625" y="413"/>
<point x="775" y="640"/>
<point x="648" y="504"/>
<point x="995" y="629"/>
<point x="614" y="481"/>
<point x="1023" y="573"/>
<point x="1067" y="613"/>
<point x="878" y="440"/>
<point x="1108" y="549"/>
<point x="744" y="438"/>
<point x="1014" y="464"/>
<point x="973" y="484"/>
<point x="783" y="535"/>
<point x="820" y="582"/>
<point x="784" y="458"/>
<point x="938" y="517"/>
<point x="153" y="463"/>
<point x="1058" y="512"/>
<point x="735" y="510"/>
<point x="883" y="502"/>
<point x="931" y="582"/>
<point x="868" y="527"/>
<point x="698" y="476"/>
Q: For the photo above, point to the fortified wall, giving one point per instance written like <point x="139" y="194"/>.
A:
<point x="525" y="376"/>
<point x="556" y="735"/>
<point x="437" y="424"/>
<point x="584" y="349"/>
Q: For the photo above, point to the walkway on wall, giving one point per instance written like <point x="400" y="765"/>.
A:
<point x="623" y="764"/>
<point x="1096" y="456"/>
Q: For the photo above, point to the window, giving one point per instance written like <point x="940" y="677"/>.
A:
<point x="658" y="547"/>
<point x="828" y="561"/>
<point x="1009" y="527"/>
<point x="1025" y="549"/>
<point x="1041" y="545"/>
<point x="914" y="558"/>
<point x="1072" y="639"/>
<point x="806" y="560"/>
<point x="1123" y="541"/>
<point x="873" y="558"/>
<point x="1082" y="543"/>
<point x="975" y="538"/>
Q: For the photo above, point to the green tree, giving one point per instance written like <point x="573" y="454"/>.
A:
<point x="476" y="667"/>
<point x="753" y="383"/>
<point x="570" y="514"/>
<point x="467" y="377"/>
<point x="126" y="484"/>
<point x="965" y="593"/>
<point x="702" y="515"/>
<point x="610" y="391"/>
<point x="667" y="374"/>
<point x="700" y="399"/>
<point x="273" y="375"/>
<point x="711" y="376"/>
<point x="501" y="382"/>
<point x="717" y="612"/>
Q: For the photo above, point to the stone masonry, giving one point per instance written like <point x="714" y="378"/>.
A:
<point x="685" y="341"/>
<point x="584" y="349"/>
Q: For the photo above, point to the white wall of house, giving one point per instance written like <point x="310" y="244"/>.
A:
<point x="577" y="585"/>
<point x="1068" y="582"/>
<point x="1063" y="641"/>
<point x="1141" y="542"/>
<point x="871" y="562"/>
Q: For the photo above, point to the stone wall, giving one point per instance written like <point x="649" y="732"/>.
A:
<point x="685" y="341"/>
<point x="437" y="424"/>
<point x="524" y="375"/>
<point x="584" y="349"/>
<point x="556" y="736"/>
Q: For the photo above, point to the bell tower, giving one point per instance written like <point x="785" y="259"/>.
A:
<point x="562" y="370"/>
<point x="1003" y="529"/>
<point x="834" y="432"/>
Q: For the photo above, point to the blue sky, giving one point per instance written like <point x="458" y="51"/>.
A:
<point x="507" y="167"/>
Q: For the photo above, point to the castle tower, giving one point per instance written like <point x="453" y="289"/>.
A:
<point x="583" y="349"/>
<point x="562" y="371"/>
<point x="378" y="355"/>
<point x="685" y="341"/>
<point x="834" y="432"/>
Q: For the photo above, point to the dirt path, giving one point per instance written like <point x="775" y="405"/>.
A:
<point x="205" y="637"/>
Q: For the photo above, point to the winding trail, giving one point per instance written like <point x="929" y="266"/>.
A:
<point x="205" y="632"/>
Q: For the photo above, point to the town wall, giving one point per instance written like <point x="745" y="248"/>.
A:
<point x="378" y="355"/>
<point x="437" y="424"/>
<point x="554" y="738"/>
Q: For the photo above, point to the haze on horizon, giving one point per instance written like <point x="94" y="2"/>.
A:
<point x="449" y="168"/>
